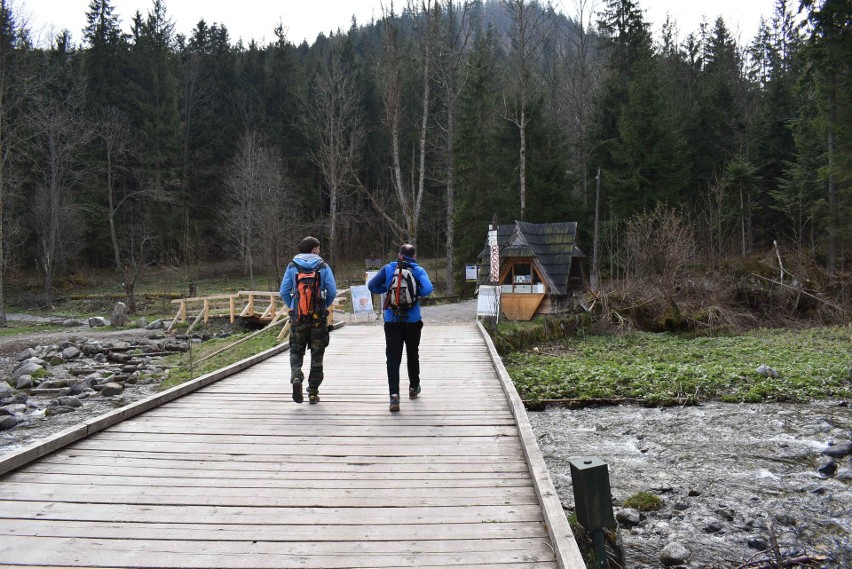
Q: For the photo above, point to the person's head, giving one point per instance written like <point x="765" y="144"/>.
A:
<point x="309" y="245"/>
<point x="407" y="250"/>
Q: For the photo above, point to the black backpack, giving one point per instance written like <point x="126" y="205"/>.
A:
<point x="403" y="289"/>
<point x="309" y="304"/>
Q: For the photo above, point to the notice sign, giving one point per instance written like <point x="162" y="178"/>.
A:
<point x="470" y="273"/>
<point x="488" y="301"/>
<point x="362" y="300"/>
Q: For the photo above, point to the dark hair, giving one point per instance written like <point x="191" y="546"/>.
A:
<point x="407" y="250"/>
<point x="308" y="244"/>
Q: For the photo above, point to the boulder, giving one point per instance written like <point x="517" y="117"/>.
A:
<point x="7" y="422"/>
<point x="839" y="450"/>
<point x="5" y="390"/>
<point x="674" y="553"/>
<point x="70" y="353"/>
<point x="628" y="517"/>
<point x="827" y="467"/>
<point x="141" y="323"/>
<point x="766" y="371"/>
<point x="69" y="401"/>
<point x="119" y="315"/>
<point x="112" y="389"/>
<point x="28" y="368"/>
<point x="155" y="325"/>
<point x="26" y="354"/>
<point x="97" y="322"/>
<point x="24" y="382"/>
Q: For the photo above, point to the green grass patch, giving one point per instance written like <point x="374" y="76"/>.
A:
<point x="666" y="368"/>
<point x="182" y="370"/>
<point x="17" y="328"/>
<point x="644" y="502"/>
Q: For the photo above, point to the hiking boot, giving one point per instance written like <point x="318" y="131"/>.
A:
<point x="413" y="392"/>
<point x="313" y="396"/>
<point x="297" y="392"/>
<point x="394" y="403"/>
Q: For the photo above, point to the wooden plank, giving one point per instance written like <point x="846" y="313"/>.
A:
<point x="239" y="479"/>
<point x="249" y="515"/>
<point x="226" y="555"/>
<point x="276" y="532"/>
<point x="567" y="552"/>
<point x="32" y="452"/>
<point x="240" y="476"/>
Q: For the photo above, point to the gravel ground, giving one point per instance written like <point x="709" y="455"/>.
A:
<point x="463" y="312"/>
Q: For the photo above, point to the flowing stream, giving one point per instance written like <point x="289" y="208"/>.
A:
<point x="728" y="475"/>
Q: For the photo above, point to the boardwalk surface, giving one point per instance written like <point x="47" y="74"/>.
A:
<point x="237" y="475"/>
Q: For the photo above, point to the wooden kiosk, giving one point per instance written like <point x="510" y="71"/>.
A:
<point x="539" y="273"/>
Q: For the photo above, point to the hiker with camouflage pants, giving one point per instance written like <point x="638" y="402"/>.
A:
<point x="308" y="289"/>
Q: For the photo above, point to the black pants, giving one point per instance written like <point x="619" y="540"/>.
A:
<point x="397" y="335"/>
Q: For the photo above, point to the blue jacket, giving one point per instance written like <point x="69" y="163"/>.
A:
<point x="379" y="285"/>
<point x="307" y="261"/>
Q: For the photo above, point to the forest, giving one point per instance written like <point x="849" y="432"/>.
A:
<point x="671" y="148"/>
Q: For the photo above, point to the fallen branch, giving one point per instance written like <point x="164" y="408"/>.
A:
<point x="799" y="290"/>
<point x="789" y="562"/>
<point x="582" y="401"/>
<point x="241" y="340"/>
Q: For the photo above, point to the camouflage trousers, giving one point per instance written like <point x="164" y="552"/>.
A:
<point x="302" y="337"/>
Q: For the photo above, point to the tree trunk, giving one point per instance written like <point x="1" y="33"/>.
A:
<point x="596" y="256"/>
<point x="831" y="247"/>
<point x="112" y="234"/>
<point x="451" y="175"/>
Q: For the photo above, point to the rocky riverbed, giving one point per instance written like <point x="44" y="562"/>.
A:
<point x="731" y="477"/>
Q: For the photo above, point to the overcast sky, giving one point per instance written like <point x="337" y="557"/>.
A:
<point x="304" y="19"/>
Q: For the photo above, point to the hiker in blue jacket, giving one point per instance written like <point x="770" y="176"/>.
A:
<point x="403" y="325"/>
<point x="308" y="289"/>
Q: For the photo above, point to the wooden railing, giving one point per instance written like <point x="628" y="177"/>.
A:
<point x="249" y="304"/>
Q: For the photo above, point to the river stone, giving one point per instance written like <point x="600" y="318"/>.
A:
<point x="59" y="410"/>
<point x="141" y="323"/>
<point x="7" y="422"/>
<point x="110" y="389"/>
<point x="674" y="554"/>
<point x="5" y="390"/>
<point x="839" y="450"/>
<point x="628" y="517"/>
<point x="69" y="401"/>
<point x="766" y="371"/>
<point x="827" y="467"/>
<point x="713" y="526"/>
<point x="155" y="325"/>
<point x="24" y="382"/>
<point x="97" y="321"/>
<point x="26" y="354"/>
<point x="757" y="543"/>
<point x="785" y="519"/>
<point x="27" y="368"/>
<point x="119" y="315"/>
<point x="14" y="409"/>
<point x="70" y="353"/>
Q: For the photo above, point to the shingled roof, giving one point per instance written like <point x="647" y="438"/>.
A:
<point x="552" y="244"/>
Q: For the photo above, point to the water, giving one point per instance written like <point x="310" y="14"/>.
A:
<point x="738" y="467"/>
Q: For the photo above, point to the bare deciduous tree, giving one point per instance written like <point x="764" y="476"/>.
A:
<point x="455" y="33"/>
<point x="17" y="86"/>
<point x="59" y="153"/>
<point x="334" y="119"/>
<point x="409" y="195"/>
<point x="254" y="198"/>
<point x="527" y="33"/>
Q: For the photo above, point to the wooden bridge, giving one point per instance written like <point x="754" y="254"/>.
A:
<point x="227" y="471"/>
